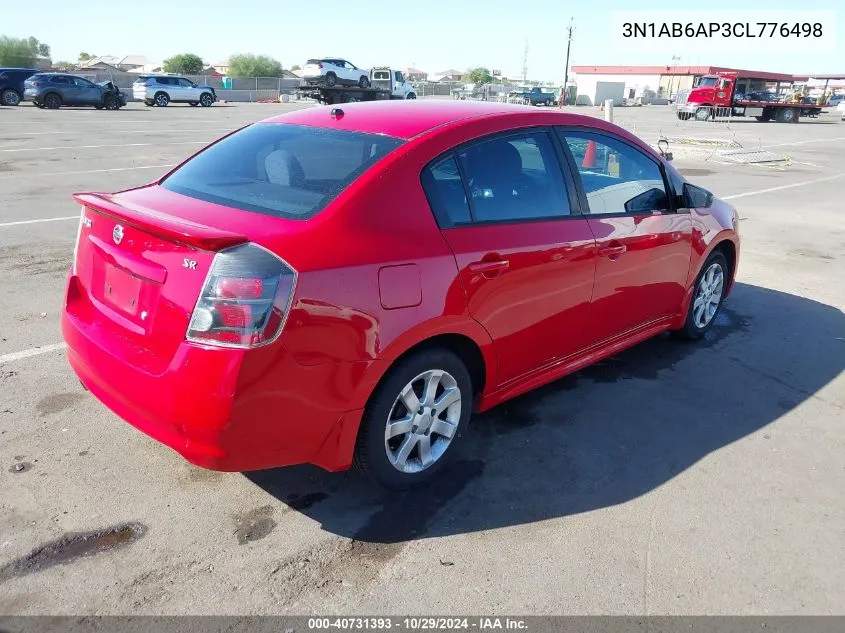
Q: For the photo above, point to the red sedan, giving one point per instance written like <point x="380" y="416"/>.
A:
<point x="337" y="286"/>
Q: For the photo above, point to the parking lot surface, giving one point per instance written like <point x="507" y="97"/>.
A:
<point x="702" y="478"/>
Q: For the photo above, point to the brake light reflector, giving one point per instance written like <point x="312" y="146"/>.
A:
<point x="245" y="299"/>
<point x="236" y="287"/>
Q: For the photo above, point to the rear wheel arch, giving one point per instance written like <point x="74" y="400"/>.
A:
<point x="472" y="345"/>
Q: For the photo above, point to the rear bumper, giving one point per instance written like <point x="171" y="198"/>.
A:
<point x="223" y="409"/>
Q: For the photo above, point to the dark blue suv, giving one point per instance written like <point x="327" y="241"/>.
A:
<point x="11" y="84"/>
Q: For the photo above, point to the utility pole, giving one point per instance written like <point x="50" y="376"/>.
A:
<point x="564" y="93"/>
<point x="675" y="60"/>
<point x="525" y="64"/>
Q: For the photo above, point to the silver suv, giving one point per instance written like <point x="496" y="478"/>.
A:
<point x="160" y="90"/>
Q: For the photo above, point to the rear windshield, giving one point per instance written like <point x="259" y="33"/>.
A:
<point x="285" y="171"/>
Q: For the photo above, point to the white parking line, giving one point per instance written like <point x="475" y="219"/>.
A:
<point x="32" y="351"/>
<point x="93" y="171"/>
<point x="18" y="223"/>
<point x="44" y="149"/>
<point x="790" y="186"/>
<point x="108" y="131"/>
<point x="816" y="140"/>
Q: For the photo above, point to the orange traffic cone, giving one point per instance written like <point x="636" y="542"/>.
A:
<point x="589" y="155"/>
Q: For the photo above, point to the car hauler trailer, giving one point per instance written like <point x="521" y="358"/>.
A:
<point x="385" y="83"/>
<point x="715" y="96"/>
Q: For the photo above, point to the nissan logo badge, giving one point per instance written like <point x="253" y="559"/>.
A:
<point x="117" y="234"/>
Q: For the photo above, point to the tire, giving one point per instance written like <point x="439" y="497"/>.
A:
<point x="52" y="101"/>
<point x="193" y="104"/>
<point x="98" y="107"/>
<point x="440" y="368"/>
<point x="161" y="99"/>
<point x="702" y="114"/>
<point x="695" y="326"/>
<point x="206" y="100"/>
<point x="331" y="80"/>
<point x="788" y="115"/>
<point x="111" y="103"/>
<point x="411" y="95"/>
<point x="364" y="82"/>
<point x="10" y="97"/>
<point x="548" y="103"/>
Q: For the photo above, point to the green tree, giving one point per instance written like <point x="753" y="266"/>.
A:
<point x="84" y="57"/>
<point x="254" y="66"/>
<point x="21" y="52"/>
<point x="184" y="64"/>
<point x="477" y="76"/>
<point x="64" y="67"/>
<point x="40" y="48"/>
<point x="296" y="67"/>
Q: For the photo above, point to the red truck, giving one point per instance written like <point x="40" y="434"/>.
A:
<point x="714" y="96"/>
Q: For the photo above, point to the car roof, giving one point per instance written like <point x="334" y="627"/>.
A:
<point x="409" y="118"/>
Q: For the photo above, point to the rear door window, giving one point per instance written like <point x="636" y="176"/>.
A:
<point x="514" y="178"/>
<point x="286" y="171"/>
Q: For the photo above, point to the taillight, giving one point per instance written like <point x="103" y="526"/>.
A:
<point x="319" y="65"/>
<point x="245" y="299"/>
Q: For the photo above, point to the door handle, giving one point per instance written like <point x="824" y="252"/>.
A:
<point x="489" y="268"/>
<point x="613" y="251"/>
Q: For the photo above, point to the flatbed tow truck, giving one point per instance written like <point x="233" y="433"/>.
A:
<point x="714" y="97"/>
<point x="385" y="83"/>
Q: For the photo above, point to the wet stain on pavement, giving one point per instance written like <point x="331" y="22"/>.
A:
<point x="254" y="525"/>
<point x="71" y="547"/>
<point x="57" y="403"/>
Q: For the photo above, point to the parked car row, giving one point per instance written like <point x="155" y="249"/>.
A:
<point x="53" y="90"/>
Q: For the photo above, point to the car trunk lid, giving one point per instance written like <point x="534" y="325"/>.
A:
<point x="138" y="272"/>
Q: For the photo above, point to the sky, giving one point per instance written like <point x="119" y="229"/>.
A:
<point x="433" y="35"/>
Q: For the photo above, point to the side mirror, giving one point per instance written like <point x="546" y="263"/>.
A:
<point x="651" y="200"/>
<point x="696" y="197"/>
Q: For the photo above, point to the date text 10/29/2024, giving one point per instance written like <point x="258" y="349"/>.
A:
<point x="418" y="624"/>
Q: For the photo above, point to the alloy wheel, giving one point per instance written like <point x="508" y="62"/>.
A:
<point x="709" y="295"/>
<point x="423" y="421"/>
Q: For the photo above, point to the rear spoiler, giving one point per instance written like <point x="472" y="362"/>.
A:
<point x="161" y="224"/>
